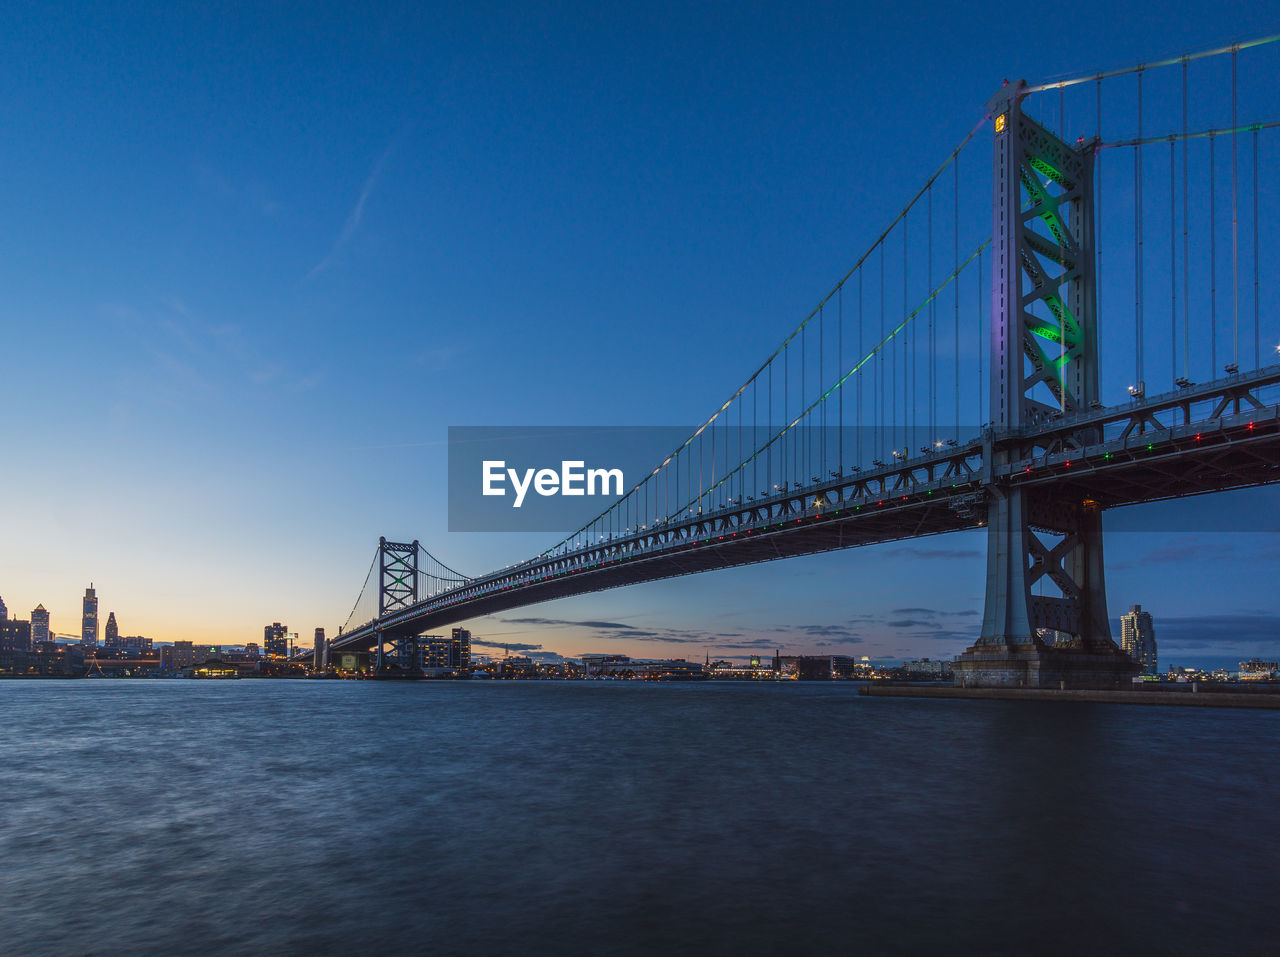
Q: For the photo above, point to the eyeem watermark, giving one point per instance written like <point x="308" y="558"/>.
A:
<point x="574" y="478"/>
<point x="550" y="479"/>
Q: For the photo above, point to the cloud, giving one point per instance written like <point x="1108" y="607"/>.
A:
<point x="353" y="218"/>
<point x="507" y="645"/>
<point x="1192" y="550"/>
<point x="831" y="633"/>
<point x="183" y="357"/>
<point x="932" y="612"/>
<point x="568" y="623"/>
<point x="665" y="637"/>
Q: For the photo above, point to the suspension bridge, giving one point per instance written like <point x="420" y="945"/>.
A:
<point x="954" y="377"/>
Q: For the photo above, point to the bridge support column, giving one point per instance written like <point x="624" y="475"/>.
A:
<point x="1044" y="365"/>
<point x="1035" y="543"/>
<point x="398" y="575"/>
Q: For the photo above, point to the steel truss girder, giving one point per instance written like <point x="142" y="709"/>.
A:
<point x="1043" y="333"/>
<point x="397" y="575"/>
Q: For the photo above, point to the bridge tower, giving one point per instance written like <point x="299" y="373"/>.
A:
<point x="1044" y="365"/>
<point x="397" y="588"/>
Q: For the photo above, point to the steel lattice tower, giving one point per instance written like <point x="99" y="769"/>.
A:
<point x="1044" y="365"/>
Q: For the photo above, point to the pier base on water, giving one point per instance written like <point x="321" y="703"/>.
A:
<point x="1036" y="666"/>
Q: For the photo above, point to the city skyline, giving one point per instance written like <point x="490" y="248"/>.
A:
<point x="482" y="220"/>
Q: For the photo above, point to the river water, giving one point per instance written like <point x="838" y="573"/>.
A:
<point x="317" y="817"/>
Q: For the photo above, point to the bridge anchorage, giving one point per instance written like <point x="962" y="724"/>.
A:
<point x="754" y="484"/>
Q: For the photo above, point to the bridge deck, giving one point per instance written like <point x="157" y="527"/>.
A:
<point x="1138" y="457"/>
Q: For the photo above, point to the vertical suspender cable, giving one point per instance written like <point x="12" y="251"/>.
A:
<point x="1213" y="259"/>
<point x="1097" y="218"/>
<point x="1257" y="339"/>
<point x="859" y="426"/>
<point x="891" y="411"/>
<point x="1235" y="240"/>
<point x="955" y="341"/>
<point x="1137" y="242"/>
<point x="981" y="344"/>
<point x="1173" y="264"/>
<point x="933" y="334"/>
<point x="1186" y="242"/>
<point x="840" y="371"/>
<point x="822" y="435"/>
<point x="906" y="342"/>
<point x="882" y="376"/>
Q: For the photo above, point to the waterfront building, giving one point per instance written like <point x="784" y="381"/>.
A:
<point x="927" y="666"/>
<point x="179" y="655"/>
<point x="517" y="666"/>
<point x="39" y="626"/>
<point x="652" y="669"/>
<point x="320" y="651"/>
<point x="1255" y="669"/>
<point x="89" y="619"/>
<point x="15" y="634"/>
<point x="275" y="640"/>
<point x="1138" y="637"/>
<point x="135" y="643"/>
<point x="450" y="654"/>
<point x="203" y="653"/>
<point x="597" y="665"/>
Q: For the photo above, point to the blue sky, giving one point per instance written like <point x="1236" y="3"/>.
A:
<point x="258" y="261"/>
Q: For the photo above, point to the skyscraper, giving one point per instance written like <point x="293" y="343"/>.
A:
<point x="89" y="622"/>
<point x="321" y="653"/>
<point x="39" y="626"/>
<point x="1138" y="638"/>
<point x="4" y="612"/>
<point x="111" y="635"/>
<point x="275" y="640"/>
